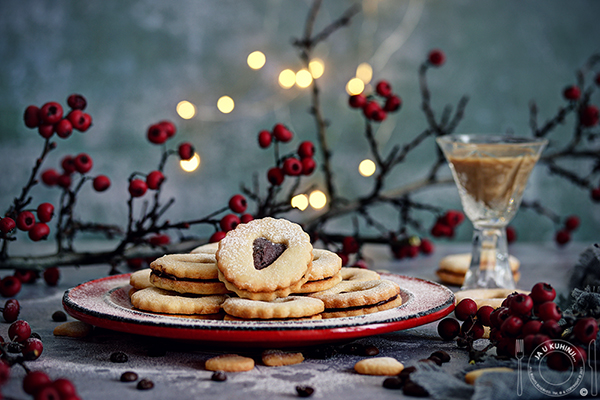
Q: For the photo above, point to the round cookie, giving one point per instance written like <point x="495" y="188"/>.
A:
<point x="358" y="293"/>
<point x="278" y="358"/>
<point x="452" y="268"/>
<point x="229" y="363"/>
<point x="383" y="366"/>
<point x="364" y="310"/>
<point x="287" y="307"/>
<point x="358" y="274"/>
<point x="320" y="285"/>
<point x="166" y="302"/>
<point x="208" y="248"/>
<point x="325" y="264"/>
<point x="140" y="279"/>
<point x="206" y="287"/>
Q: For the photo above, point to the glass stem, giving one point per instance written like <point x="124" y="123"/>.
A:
<point x="490" y="266"/>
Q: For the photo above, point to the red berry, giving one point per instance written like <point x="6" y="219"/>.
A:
<point x="448" y="328"/>
<point x="63" y="128"/>
<point x="217" y="236"/>
<point x="47" y="393"/>
<point x="77" y="102"/>
<point x="154" y="179"/>
<point x="9" y="286"/>
<point x="238" y="203"/>
<point x="157" y="134"/>
<point x="159" y="240"/>
<point x="551" y="328"/>
<point x="426" y="247"/>
<point x="169" y="128"/>
<point x="521" y="304"/>
<point x="483" y="315"/>
<point x="40" y="231"/>
<point x="45" y="211"/>
<point x="562" y="237"/>
<point x="585" y="330"/>
<point x="308" y="166"/>
<point x="306" y="149"/>
<point x="49" y="177"/>
<point x="275" y="176"/>
<point x="101" y="183"/>
<point x="532" y="327"/>
<point x="4" y="372"/>
<point x="11" y="310"/>
<point x="473" y="329"/>
<point x="51" y="276"/>
<point x="292" y="166"/>
<point x="571" y="93"/>
<point x="371" y="109"/>
<point x="558" y="361"/>
<point x="572" y="223"/>
<point x="589" y="116"/>
<point x="64" y="181"/>
<point x="350" y="245"/>
<point x="25" y="220"/>
<point x="19" y="331"/>
<point x="549" y="311"/>
<point x="68" y="164"/>
<point x="51" y="113"/>
<point x="80" y="120"/>
<point x="245" y="218"/>
<point x="137" y="188"/>
<point x="498" y="316"/>
<point x="46" y="130"/>
<point x="453" y="218"/>
<point x="32" y="348"/>
<point x="264" y="139"/>
<point x="26" y="276"/>
<point x="281" y="133"/>
<point x="344" y="258"/>
<point x="511" y="234"/>
<point x="186" y="151"/>
<point x="392" y="104"/>
<point x="379" y="115"/>
<point x="542" y="292"/>
<point x="229" y="222"/>
<point x="32" y="117"/>
<point x="357" y="101"/>
<point x="512" y="326"/>
<point x="64" y="387"/>
<point x="441" y="230"/>
<point x="34" y="381"/>
<point x="7" y="224"/>
<point x="595" y="194"/>
<point x="383" y="88"/>
<point x="436" y="57"/>
<point x="465" y="309"/>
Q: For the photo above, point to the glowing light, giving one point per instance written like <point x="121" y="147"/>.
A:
<point x="316" y="68"/>
<point x="367" y="167"/>
<point x="355" y="86"/>
<point x="303" y="78"/>
<point x="300" y="202"/>
<point x="317" y="199"/>
<point x="364" y="72"/>
<point x="287" y="78"/>
<point x="185" y="109"/>
<point x="256" y="60"/>
<point x="225" y="104"/>
<point x="190" y="165"/>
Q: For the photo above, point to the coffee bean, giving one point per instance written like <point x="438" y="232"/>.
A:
<point x="442" y="355"/>
<point x="59" y="316"/>
<point x="129" y="376"/>
<point x="304" y="391"/>
<point x="370" y="350"/>
<point x="393" y="382"/>
<point x="427" y="361"/>
<point x="219" y="376"/>
<point x="405" y="373"/>
<point x="119" y="357"/>
<point x="435" y="360"/>
<point x="145" y="384"/>
<point x="414" y="390"/>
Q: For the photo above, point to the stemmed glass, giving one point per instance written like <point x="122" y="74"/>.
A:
<point x="491" y="172"/>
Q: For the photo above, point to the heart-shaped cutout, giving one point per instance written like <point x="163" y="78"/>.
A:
<point x="266" y="252"/>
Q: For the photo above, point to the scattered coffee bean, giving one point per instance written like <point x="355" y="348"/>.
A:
<point x="219" y="376"/>
<point x="435" y="360"/>
<point x="428" y="361"/>
<point x="59" y="316"/>
<point x="442" y="355"/>
<point x="145" y="384"/>
<point x="129" y="376"/>
<point x="415" y="390"/>
<point x="35" y="335"/>
<point x="119" y="357"/>
<point x="304" y="391"/>
<point x="393" y="382"/>
<point x="405" y="374"/>
<point x="370" y="350"/>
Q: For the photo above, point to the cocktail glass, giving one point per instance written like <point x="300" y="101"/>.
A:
<point x="491" y="172"/>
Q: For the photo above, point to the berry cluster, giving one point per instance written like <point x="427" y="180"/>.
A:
<point x="11" y="285"/>
<point x="25" y="221"/>
<point x="50" y="119"/>
<point x="563" y="236"/>
<point x="40" y="386"/>
<point x="82" y="164"/>
<point x="369" y="105"/>
<point x="446" y="224"/>
<point x="238" y="205"/>
<point x="412" y="247"/>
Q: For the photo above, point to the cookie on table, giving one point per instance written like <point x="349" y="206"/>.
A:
<point x="453" y="268"/>
<point x="166" y="302"/>
<point x="265" y="259"/>
<point x="382" y="366"/>
<point x="229" y="363"/>
<point x="325" y="272"/>
<point x="279" y="358"/>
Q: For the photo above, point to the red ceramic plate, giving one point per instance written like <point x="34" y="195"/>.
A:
<point x="105" y="303"/>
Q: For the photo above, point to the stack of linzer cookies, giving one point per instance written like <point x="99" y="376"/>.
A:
<point x="266" y="269"/>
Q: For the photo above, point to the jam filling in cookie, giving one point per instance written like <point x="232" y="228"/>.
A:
<point x="379" y="303"/>
<point x="265" y="252"/>
<point x="164" y="275"/>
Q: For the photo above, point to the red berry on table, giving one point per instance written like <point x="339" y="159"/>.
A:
<point x="40" y="231"/>
<point x="25" y="220"/>
<point x="532" y="327"/>
<point x="542" y="292"/>
<point x="229" y="222"/>
<point x="448" y="328"/>
<point x="589" y="116"/>
<point x="436" y="57"/>
<point x="83" y="163"/>
<point x="51" y="276"/>
<point x="159" y="240"/>
<point x="549" y="311"/>
<point x="63" y="128"/>
<point x="551" y="328"/>
<point x="238" y="203"/>
<point x="521" y="304"/>
<point x="185" y="151"/>
<point x="275" y="176"/>
<point x="426" y="247"/>
<point x="308" y="166"/>
<point x="50" y="177"/>
<point x="483" y="315"/>
<point x="562" y="237"/>
<point x="32" y="117"/>
<point x="264" y="139"/>
<point x="465" y="309"/>
<point x="51" y="113"/>
<point x="245" y="218"/>
<point x="350" y="245"/>
<point x="595" y="194"/>
<point x="371" y="109"/>
<point x="217" y="236"/>
<point x="32" y="348"/>
<point x="4" y="372"/>
<point x="10" y="286"/>
<point x="19" y="331"/>
<point x="511" y="234"/>
<point x="47" y="393"/>
<point x="292" y="166"/>
<point x="512" y="326"/>
<point x="558" y="361"/>
<point x="64" y="181"/>
<point x="498" y="316"/>
<point x="281" y="133"/>
<point x="392" y="103"/>
<point x="76" y="102"/>
<point x="137" y="188"/>
<point x="585" y="330"/>
<point x="7" y="224"/>
<point x="46" y="130"/>
<point x="154" y="179"/>
<point x="101" y="183"/>
<point x="157" y="134"/>
<point x="572" y="223"/>
<point x="11" y="310"/>
<point x="383" y="88"/>
<point x="45" y="211"/>
<point x="169" y="127"/>
<point x="34" y="381"/>
<point x="26" y="275"/>
<point x="473" y="329"/>
<point x="571" y="92"/>
<point x="65" y="388"/>
<point x="79" y="120"/>
<point x="306" y="149"/>
<point x="357" y="101"/>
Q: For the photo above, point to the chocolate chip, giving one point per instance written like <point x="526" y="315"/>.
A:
<point x="442" y="355"/>
<point x="219" y="376"/>
<point x="145" y="384"/>
<point x="59" y="316"/>
<point x="435" y="360"/>
<point x="415" y="390"/>
<point x="304" y="391"/>
<point x="119" y="357"/>
<point x="393" y="382"/>
<point x="129" y="376"/>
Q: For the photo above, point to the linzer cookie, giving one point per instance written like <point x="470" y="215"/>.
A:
<point x="140" y="279"/>
<point x="187" y="273"/>
<point x="209" y="248"/>
<point x="265" y="259"/>
<point x="452" y="268"/>
<point x="287" y="307"/>
<point x="167" y="302"/>
<point x="353" y="298"/>
<point x="358" y="274"/>
<point x="325" y="272"/>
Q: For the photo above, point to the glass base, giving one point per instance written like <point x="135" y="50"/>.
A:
<point x="490" y="266"/>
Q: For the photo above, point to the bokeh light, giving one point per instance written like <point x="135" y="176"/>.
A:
<point x="317" y="199"/>
<point x="355" y="86"/>
<point x="190" y="165"/>
<point x="287" y="78"/>
<point x="185" y="109"/>
<point x="316" y="68"/>
<point x="225" y="104"/>
<point x="364" y="72"/>
<point x="300" y="201"/>
<point x="367" y="167"/>
<point x="303" y="78"/>
<point x="256" y="59"/>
